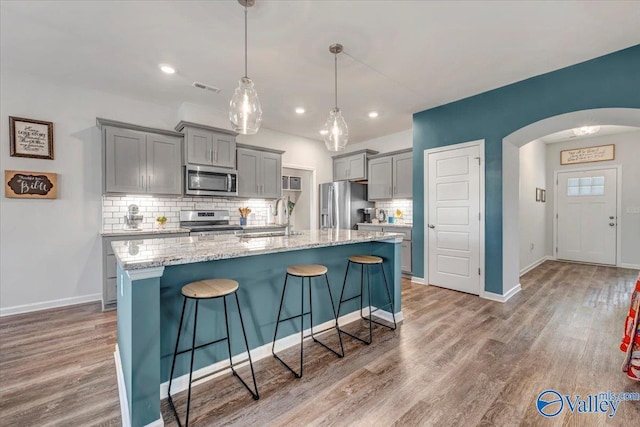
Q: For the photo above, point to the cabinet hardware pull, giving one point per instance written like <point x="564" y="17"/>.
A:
<point x="141" y="181"/>
<point x="149" y="183"/>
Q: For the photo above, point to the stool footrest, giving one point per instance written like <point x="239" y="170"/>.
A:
<point x="349" y="299"/>
<point x="293" y="317"/>
<point x="202" y="345"/>
<point x="393" y="328"/>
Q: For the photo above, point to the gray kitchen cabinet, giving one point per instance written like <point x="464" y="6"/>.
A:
<point x="351" y="166"/>
<point x="380" y="177"/>
<point x="391" y="176"/>
<point x="259" y="172"/>
<point x="140" y="160"/>
<point x="403" y="176"/>
<point x="407" y="245"/>
<point x="206" y="145"/>
<point x="109" y="263"/>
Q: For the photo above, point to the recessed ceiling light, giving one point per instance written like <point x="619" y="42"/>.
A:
<point x="373" y="114"/>
<point x="167" y="69"/>
<point x="300" y="110"/>
<point x="324" y="132"/>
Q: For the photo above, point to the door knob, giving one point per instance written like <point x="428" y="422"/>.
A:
<point x="610" y="217"/>
<point x="432" y="226"/>
<point x="612" y="224"/>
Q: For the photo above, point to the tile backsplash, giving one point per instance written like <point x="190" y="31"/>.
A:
<point x="405" y="205"/>
<point x="114" y="208"/>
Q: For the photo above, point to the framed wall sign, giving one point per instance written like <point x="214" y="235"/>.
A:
<point x="30" y="185"/>
<point x="599" y="153"/>
<point x="31" y="138"/>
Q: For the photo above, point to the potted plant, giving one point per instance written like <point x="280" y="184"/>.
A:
<point x="161" y="220"/>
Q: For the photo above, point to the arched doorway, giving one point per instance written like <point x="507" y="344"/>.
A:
<point x="510" y="174"/>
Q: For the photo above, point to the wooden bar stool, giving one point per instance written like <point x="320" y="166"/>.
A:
<point x="205" y="290"/>
<point x="367" y="261"/>
<point x="308" y="271"/>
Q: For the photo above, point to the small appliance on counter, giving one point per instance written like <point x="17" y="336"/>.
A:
<point x="368" y="214"/>
<point x="133" y="220"/>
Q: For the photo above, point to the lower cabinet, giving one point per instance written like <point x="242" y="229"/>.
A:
<point x="407" y="246"/>
<point x="109" y="263"/>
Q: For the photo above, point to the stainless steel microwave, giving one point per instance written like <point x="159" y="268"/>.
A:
<point x="210" y="181"/>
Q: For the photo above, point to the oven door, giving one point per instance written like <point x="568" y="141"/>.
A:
<point x="208" y="181"/>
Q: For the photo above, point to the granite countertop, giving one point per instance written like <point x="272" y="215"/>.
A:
<point x="121" y="232"/>
<point x="138" y="254"/>
<point x="388" y="224"/>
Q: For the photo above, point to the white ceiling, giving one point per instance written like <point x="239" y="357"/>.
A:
<point x="427" y="53"/>
<point x="568" y="135"/>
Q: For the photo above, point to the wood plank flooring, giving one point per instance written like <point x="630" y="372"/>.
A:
<point x="457" y="360"/>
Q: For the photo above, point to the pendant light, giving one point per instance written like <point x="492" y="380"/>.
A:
<point x="245" y="112"/>
<point x="336" y="132"/>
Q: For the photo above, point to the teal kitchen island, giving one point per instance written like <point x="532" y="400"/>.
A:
<point x="152" y="272"/>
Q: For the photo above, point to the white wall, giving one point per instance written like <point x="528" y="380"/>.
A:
<point x="384" y="144"/>
<point x="50" y="249"/>
<point x="627" y="154"/>
<point x="532" y="219"/>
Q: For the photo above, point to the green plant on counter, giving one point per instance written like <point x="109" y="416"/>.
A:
<point x="290" y="205"/>
<point x="162" y="220"/>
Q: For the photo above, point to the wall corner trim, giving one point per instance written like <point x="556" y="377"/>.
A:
<point x="418" y="280"/>
<point x="145" y="273"/>
<point x="502" y="298"/>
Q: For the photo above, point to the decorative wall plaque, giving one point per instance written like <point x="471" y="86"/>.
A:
<point x="600" y="153"/>
<point x="30" y="185"/>
<point x="31" y="138"/>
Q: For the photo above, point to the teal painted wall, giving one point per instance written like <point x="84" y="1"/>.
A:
<point x="611" y="81"/>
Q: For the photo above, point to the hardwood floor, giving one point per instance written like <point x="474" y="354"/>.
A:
<point x="456" y="360"/>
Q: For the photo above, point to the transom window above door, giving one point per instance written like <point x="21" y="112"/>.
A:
<point x="586" y="186"/>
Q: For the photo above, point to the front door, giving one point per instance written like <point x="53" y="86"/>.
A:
<point x="587" y="216"/>
<point x="454" y="219"/>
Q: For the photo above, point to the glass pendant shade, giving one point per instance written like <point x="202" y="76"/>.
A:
<point x="245" y="112"/>
<point x="337" y="133"/>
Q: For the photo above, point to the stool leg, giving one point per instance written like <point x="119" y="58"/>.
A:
<point x="255" y="395"/>
<point x="386" y="285"/>
<point x="302" y="322"/>
<point x="344" y="283"/>
<point x="275" y="335"/>
<point x="335" y="315"/>
<point x="361" y="288"/>
<point x="175" y="354"/>
<point x="193" y="352"/>
<point x="369" y="298"/>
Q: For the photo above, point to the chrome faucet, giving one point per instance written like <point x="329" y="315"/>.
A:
<point x="287" y="230"/>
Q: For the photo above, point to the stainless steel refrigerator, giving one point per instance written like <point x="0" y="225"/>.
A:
<point x="342" y="204"/>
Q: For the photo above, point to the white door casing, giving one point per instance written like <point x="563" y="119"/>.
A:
<point x="454" y="224"/>
<point x="587" y="216"/>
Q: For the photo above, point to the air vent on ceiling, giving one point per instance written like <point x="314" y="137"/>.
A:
<point x="206" y="87"/>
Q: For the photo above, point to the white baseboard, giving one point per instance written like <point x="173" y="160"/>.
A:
<point x="37" y="306"/>
<point x="418" y="280"/>
<point x="535" y="264"/>
<point x="628" y="265"/>
<point x="502" y="298"/>
<point x="221" y="368"/>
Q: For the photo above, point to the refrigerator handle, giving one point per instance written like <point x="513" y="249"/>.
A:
<point x="330" y="203"/>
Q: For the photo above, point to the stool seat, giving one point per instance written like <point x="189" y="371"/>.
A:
<point x="209" y="288"/>
<point x="365" y="259"/>
<point x="307" y="270"/>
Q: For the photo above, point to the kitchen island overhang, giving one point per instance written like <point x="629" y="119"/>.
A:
<point x="152" y="272"/>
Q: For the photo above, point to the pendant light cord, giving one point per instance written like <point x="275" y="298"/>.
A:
<point x="335" y="57"/>
<point x="245" y="40"/>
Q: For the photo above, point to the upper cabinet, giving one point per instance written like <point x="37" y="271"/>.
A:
<point x="391" y="176"/>
<point x="140" y="160"/>
<point x="351" y="166"/>
<point x="206" y="145"/>
<point x="259" y="172"/>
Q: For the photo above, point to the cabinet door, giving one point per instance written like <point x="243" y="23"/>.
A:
<point x="380" y="178"/>
<point x="125" y="161"/>
<point x="403" y="176"/>
<point x="248" y="172"/>
<point x="340" y="167"/>
<point x="406" y="257"/>
<point x="199" y="146"/>
<point x="357" y="166"/>
<point x="270" y="187"/>
<point x="225" y="151"/>
<point x="164" y="171"/>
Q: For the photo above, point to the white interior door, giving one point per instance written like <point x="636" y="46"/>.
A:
<point x="454" y="219"/>
<point x="587" y="216"/>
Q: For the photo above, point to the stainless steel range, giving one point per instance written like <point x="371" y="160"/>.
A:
<point x="207" y="223"/>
